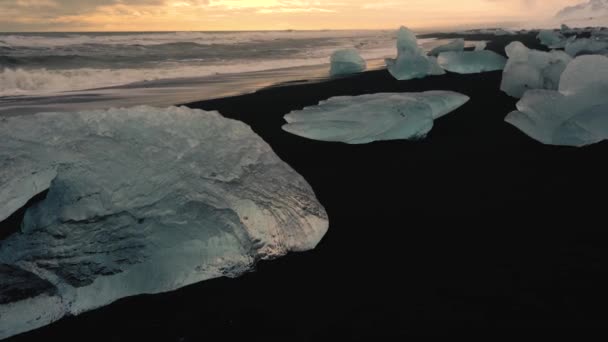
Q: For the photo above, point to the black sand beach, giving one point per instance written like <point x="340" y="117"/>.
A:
<point x="476" y="226"/>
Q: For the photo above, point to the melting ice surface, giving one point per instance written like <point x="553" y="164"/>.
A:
<point x="141" y="200"/>
<point x="471" y="62"/>
<point x="411" y="60"/>
<point x="532" y="69"/>
<point x="574" y="115"/>
<point x="366" y="118"/>
<point x="347" y="61"/>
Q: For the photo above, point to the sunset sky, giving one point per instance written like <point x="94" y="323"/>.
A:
<point x="161" y="15"/>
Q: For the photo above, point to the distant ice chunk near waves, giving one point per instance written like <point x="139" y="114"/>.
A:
<point x="471" y="62"/>
<point x="480" y="45"/>
<point x="574" y="115"/>
<point x="346" y="61"/>
<point x="372" y="117"/>
<point x="455" y="45"/>
<point x="532" y="69"/>
<point x="554" y="39"/>
<point x="495" y="32"/>
<point x="141" y="200"/>
<point x="411" y="60"/>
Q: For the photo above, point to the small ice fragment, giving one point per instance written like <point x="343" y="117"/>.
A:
<point x="347" y="61"/>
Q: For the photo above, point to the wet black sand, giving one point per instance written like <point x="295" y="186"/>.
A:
<point x="476" y="226"/>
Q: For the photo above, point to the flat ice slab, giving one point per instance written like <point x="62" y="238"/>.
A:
<point x="141" y="200"/>
<point x="366" y="118"/>
<point x="587" y="46"/>
<point x="471" y="62"/>
<point x="574" y="115"/>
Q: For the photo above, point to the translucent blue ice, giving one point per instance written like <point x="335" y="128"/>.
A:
<point x="347" y="61"/>
<point x="366" y="118"/>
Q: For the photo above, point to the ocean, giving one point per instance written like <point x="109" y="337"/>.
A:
<point x="76" y="71"/>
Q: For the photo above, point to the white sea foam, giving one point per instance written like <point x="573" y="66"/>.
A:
<point x="21" y="81"/>
<point x="202" y="38"/>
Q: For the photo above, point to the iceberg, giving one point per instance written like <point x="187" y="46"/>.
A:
<point x="504" y="32"/>
<point x="455" y="45"/>
<point x="411" y="60"/>
<point x="347" y="61"/>
<point x="553" y="39"/>
<point x="531" y="69"/>
<point x="586" y="46"/>
<point x="574" y="115"/>
<point x="481" y="45"/>
<point x="471" y="62"/>
<point x="367" y="118"/>
<point x="140" y="200"/>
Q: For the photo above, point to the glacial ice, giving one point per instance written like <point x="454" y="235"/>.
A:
<point x="532" y="69"/>
<point x="471" y="62"/>
<point x="586" y="46"/>
<point x="411" y="60"/>
<point x="347" y="61"/>
<point x="553" y="39"/>
<point x="574" y="115"/>
<point x="140" y="200"/>
<point x="372" y="117"/>
<point x="455" y="45"/>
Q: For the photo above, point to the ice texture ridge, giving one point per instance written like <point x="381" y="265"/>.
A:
<point x="366" y="118"/>
<point x="140" y="200"/>
<point x="574" y="115"/>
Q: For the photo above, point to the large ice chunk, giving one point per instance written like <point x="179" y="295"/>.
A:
<point x="586" y="46"/>
<point x="532" y="69"/>
<point x="574" y="115"/>
<point x="141" y="200"/>
<point x="347" y="61"/>
<point x="471" y="62"/>
<point x="366" y="118"/>
<point x="411" y="60"/>
<point x="455" y="45"/>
